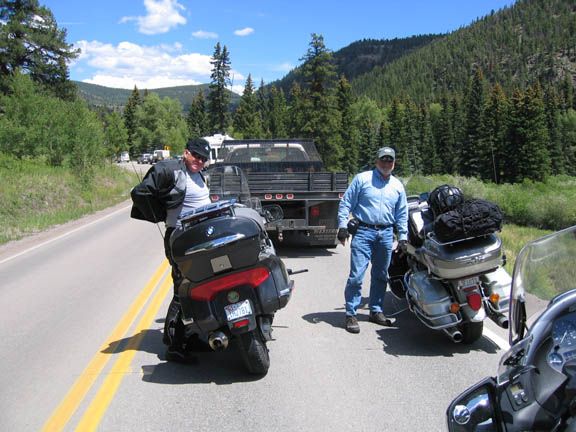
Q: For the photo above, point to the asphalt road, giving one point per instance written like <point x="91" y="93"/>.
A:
<point x="82" y="313"/>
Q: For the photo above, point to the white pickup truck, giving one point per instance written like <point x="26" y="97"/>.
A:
<point x="160" y="155"/>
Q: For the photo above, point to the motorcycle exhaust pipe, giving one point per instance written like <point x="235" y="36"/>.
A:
<point x="454" y="334"/>
<point x="501" y="320"/>
<point x="218" y="341"/>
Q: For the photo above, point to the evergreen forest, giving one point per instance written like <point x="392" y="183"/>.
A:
<point x="493" y="100"/>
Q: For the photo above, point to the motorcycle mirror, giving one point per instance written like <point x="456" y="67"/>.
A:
<point x="273" y="213"/>
<point x="473" y="410"/>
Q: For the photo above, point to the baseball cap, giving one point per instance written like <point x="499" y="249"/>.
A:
<point x="386" y="152"/>
<point x="199" y="146"/>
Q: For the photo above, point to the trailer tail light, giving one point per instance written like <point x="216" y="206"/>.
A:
<point x="315" y="211"/>
<point x="289" y="196"/>
<point x="267" y="196"/>
<point x="214" y="198"/>
<point x="207" y="291"/>
<point x="279" y="196"/>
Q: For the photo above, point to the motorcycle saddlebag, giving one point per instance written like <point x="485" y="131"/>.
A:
<point x="461" y="259"/>
<point x="216" y="245"/>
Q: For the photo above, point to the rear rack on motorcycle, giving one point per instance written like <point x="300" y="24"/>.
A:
<point x="208" y="211"/>
<point x="432" y="237"/>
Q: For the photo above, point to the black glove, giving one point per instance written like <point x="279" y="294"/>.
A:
<point x="343" y="234"/>
<point x="402" y="245"/>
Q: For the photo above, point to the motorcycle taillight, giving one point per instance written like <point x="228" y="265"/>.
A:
<point x="474" y="301"/>
<point x="207" y="291"/>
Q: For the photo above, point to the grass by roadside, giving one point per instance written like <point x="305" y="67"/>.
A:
<point x="34" y="196"/>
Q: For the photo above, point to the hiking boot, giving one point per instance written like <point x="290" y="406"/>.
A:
<point x="352" y="324"/>
<point x="380" y="319"/>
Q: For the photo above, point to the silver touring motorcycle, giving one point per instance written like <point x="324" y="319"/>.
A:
<point x="450" y="285"/>
<point x="535" y="389"/>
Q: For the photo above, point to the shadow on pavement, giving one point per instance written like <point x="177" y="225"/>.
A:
<point x="203" y="366"/>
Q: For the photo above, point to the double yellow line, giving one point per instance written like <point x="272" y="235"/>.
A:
<point x="93" y="414"/>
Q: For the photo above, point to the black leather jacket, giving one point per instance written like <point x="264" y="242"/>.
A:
<point x="162" y="188"/>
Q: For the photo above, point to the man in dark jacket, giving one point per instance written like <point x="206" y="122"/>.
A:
<point x="169" y="189"/>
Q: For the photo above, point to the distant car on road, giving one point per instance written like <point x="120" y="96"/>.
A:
<point x="124" y="157"/>
<point x="145" y="158"/>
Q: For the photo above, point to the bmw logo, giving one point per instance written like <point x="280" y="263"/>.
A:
<point x="232" y="296"/>
<point x="209" y="231"/>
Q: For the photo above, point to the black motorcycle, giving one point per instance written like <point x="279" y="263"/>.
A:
<point x="233" y="280"/>
<point x="535" y="389"/>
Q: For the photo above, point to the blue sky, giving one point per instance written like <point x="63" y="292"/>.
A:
<point x="164" y="43"/>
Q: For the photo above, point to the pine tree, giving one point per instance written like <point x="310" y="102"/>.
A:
<point x="318" y="72"/>
<point x="297" y="112"/>
<point x="348" y="130"/>
<point x="278" y="113"/>
<point x="495" y="129"/>
<point x="247" y="120"/>
<point x="552" y="109"/>
<point x="427" y="149"/>
<point x="197" y="119"/>
<point x="445" y="142"/>
<point x="219" y="98"/>
<point x="472" y="151"/>
<point x="527" y="153"/>
<point x="32" y="43"/>
<point x="129" y="116"/>
<point x="264" y="109"/>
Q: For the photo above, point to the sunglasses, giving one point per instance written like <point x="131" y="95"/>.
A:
<point x="199" y="157"/>
<point x="387" y="159"/>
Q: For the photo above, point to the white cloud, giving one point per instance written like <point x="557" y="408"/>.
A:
<point x="130" y="82"/>
<point x="201" y="34"/>
<point x="161" y="16"/>
<point x="238" y="89"/>
<point x="127" y="63"/>
<point x="244" y="32"/>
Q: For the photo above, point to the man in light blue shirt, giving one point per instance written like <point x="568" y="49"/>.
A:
<point x="377" y="200"/>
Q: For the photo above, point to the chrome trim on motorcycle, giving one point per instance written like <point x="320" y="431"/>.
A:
<point x="454" y="334"/>
<point x="213" y="244"/>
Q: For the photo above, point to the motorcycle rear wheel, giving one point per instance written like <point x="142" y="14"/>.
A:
<point x="471" y="331"/>
<point x="254" y="352"/>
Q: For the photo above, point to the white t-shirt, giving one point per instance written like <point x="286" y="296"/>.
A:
<point x="197" y="195"/>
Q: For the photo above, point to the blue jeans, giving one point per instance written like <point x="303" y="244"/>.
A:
<point x="375" y="246"/>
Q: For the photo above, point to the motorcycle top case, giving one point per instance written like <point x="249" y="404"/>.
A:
<point x="217" y="245"/>
<point x="461" y="259"/>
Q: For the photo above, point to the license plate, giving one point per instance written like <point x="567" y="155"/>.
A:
<point x="238" y="310"/>
<point x="468" y="283"/>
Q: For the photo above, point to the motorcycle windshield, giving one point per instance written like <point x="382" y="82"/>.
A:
<point x="228" y="182"/>
<point x="544" y="269"/>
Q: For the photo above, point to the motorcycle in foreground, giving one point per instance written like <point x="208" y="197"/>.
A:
<point x="233" y="280"/>
<point x="450" y="286"/>
<point x="535" y="389"/>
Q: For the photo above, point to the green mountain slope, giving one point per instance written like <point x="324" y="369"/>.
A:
<point x="532" y="40"/>
<point x="115" y="98"/>
<point x="362" y="56"/>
